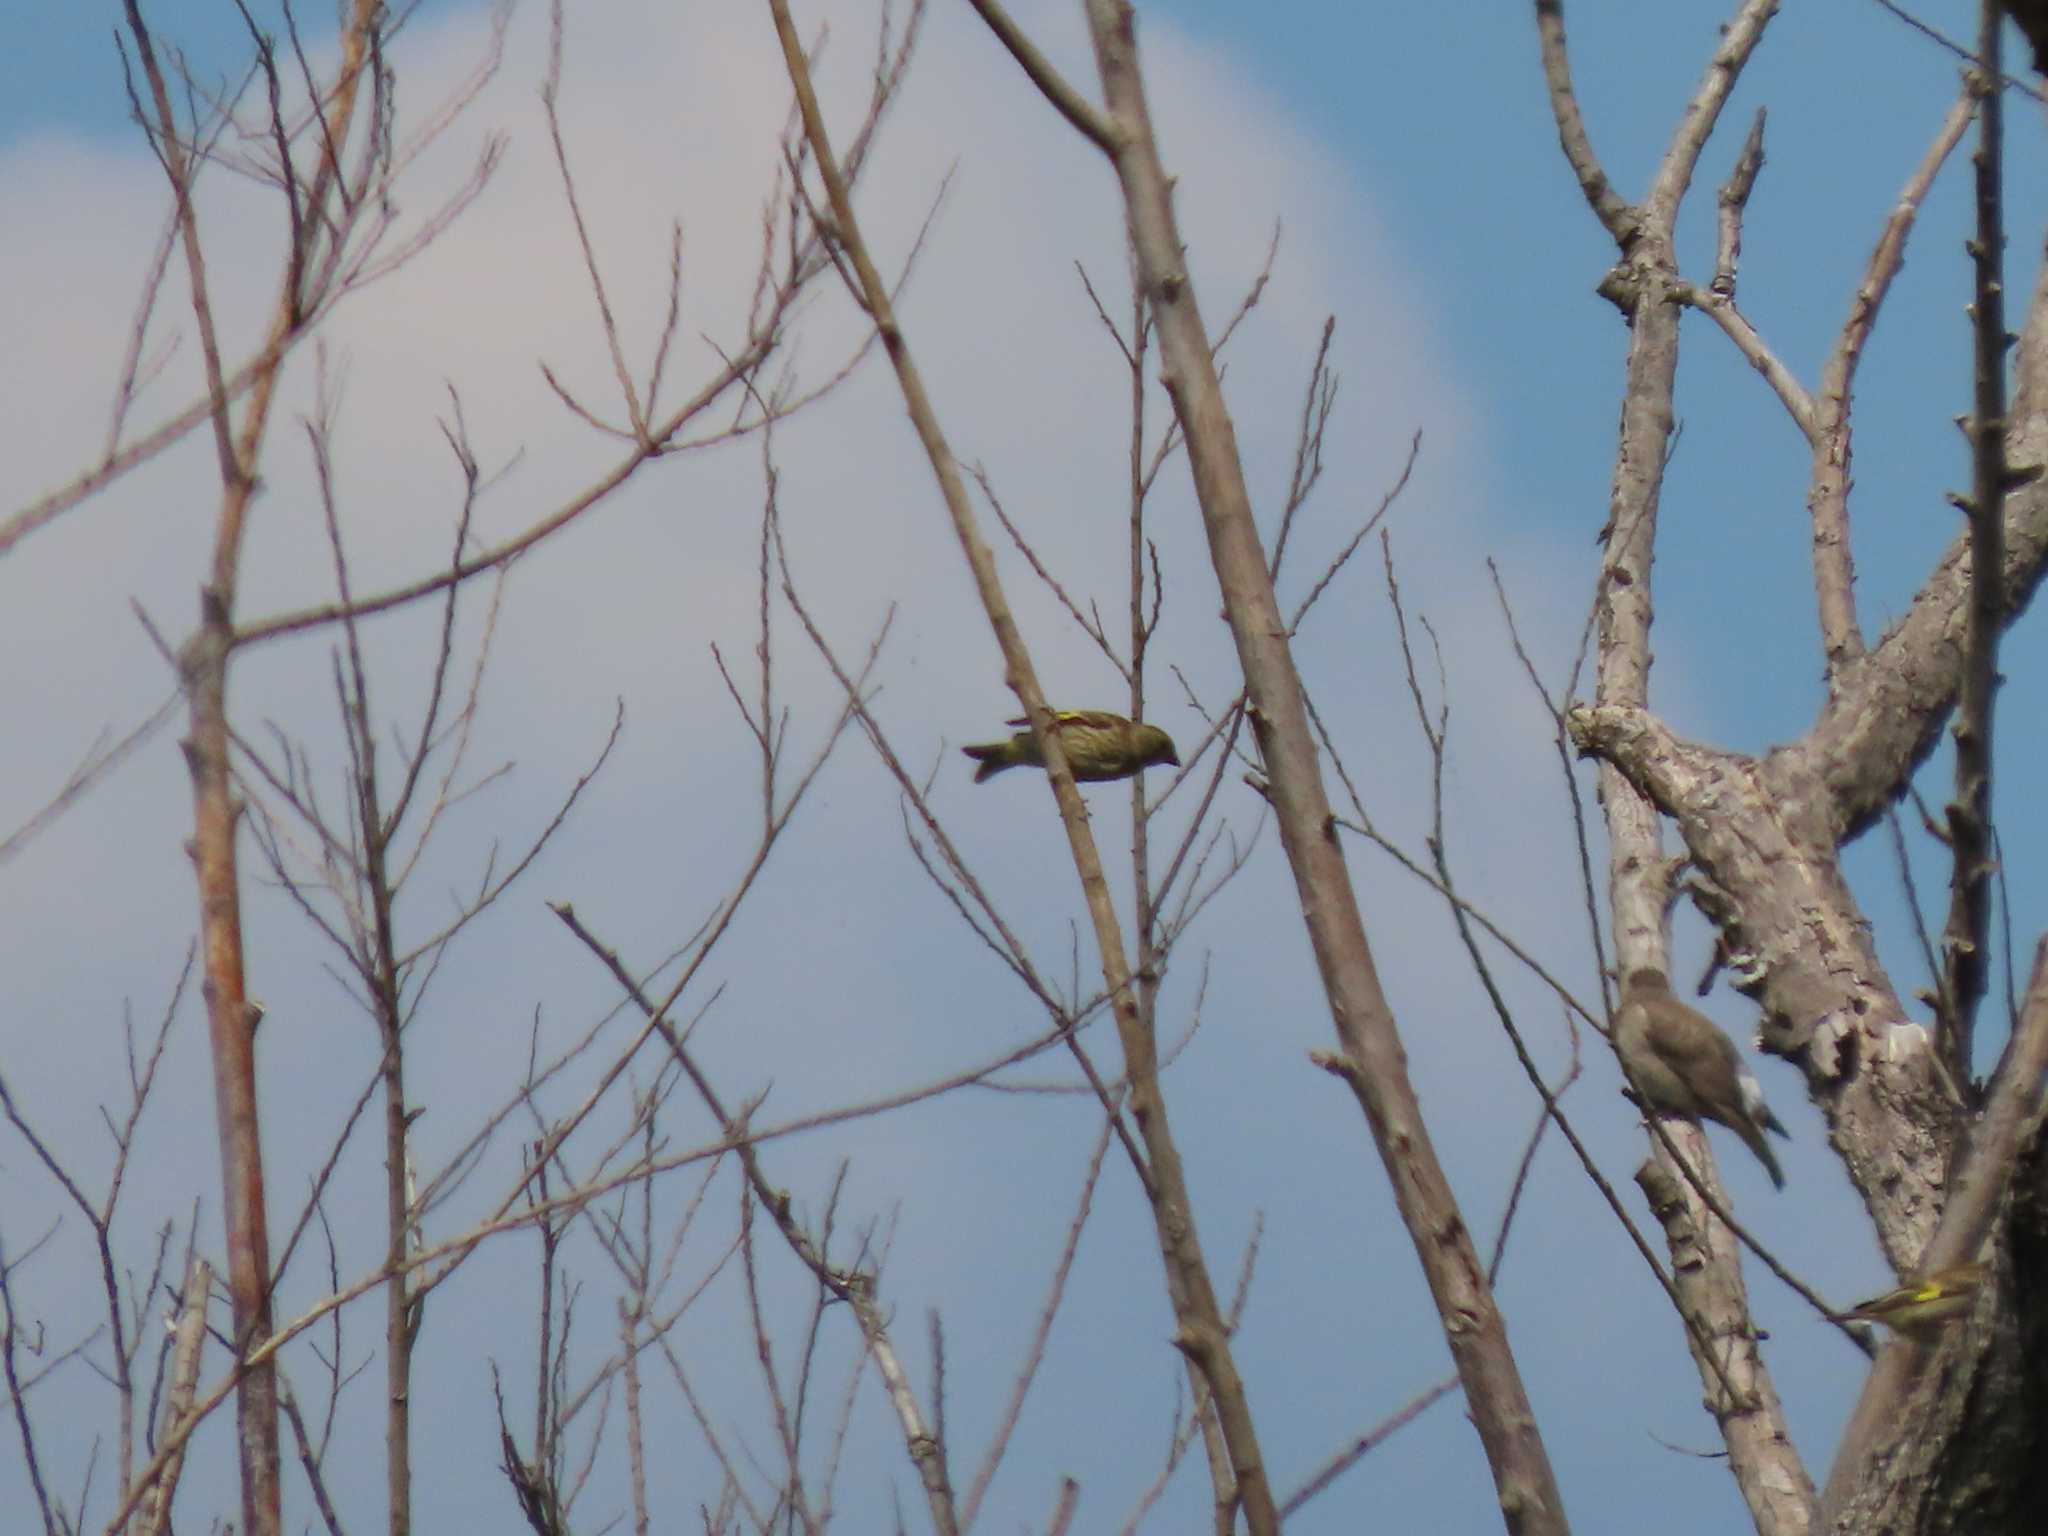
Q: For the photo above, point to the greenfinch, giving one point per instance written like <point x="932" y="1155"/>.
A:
<point x="1098" y="745"/>
<point x="1920" y="1307"/>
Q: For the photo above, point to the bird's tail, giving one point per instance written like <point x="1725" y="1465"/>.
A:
<point x="1754" y="1140"/>
<point x="994" y="758"/>
<point x="1754" y="1106"/>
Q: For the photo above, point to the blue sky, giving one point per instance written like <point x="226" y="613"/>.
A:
<point x="1409" y="154"/>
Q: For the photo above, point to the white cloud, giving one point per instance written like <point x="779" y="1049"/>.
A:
<point x="846" y="974"/>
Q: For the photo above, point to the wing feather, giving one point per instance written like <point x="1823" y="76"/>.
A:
<point x="1092" y="719"/>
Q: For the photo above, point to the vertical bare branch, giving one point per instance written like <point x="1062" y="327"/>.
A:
<point x="1644" y="287"/>
<point x="1613" y="210"/>
<point x="1730" y="205"/>
<point x="203" y="664"/>
<point x="1526" y="1486"/>
<point x="188" y="1340"/>
<point x="1834" y="570"/>
<point x="1966" y="937"/>
<point x="636" y="1454"/>
<point x="1201" y="1333"/>
<point x="550" y="95"/>
<point x="12" y="1342"/>
<point x="376" y="960"/>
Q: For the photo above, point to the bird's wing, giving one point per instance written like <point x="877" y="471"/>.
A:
<point x="1759" y="1111"/>
<point x="1695" y="1047"/>
<point x="1094" y="719"/>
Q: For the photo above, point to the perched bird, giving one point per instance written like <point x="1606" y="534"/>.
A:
<point x="1682" y="1064"/>
<point x="1098" y="745"/>
<point x="1920" y="1307"/>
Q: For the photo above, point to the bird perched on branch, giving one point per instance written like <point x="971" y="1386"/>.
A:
<point x="1919" y="1308"/>
<point x="1098" y="745"/>
<point x="1682" y="1064"/>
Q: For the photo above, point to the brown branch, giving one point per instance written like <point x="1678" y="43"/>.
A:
<point x="190" y="1339"/>
<point x="1365" y="1443"/>
<point x="1834" y="572"/>
<point x="852" y="1286"/>
<point x="11" y="1342"/>
<point x="376" y="960"/>
<point x="1866" y="1471"/>
<point x="444" y="1257"/>
<point x="204" y="666"/>
<point x="1966" y="937"/>
<point x="100" y="760"/>
<point x="1317" y="402"/>
<point x="335" y="228"/>
<point x="1773" y="1482"/>
<point x="1087" y="119"/>
<point x="1717" y="302"/>
<point x="1063" y="1508"/>
<point x="1595" y="931"/>
<point x="1435" y="734"/>
<point x="1683" y="1189"/>
<point x="1613" y="210"/>
<point x="1525" y="1483"/>
<point x="1091" y="627"/>
<point x="1006" y="1425"/>
<point x="1715" y="1305"/>
<point x="1343" y="556"/>
<point x="1730" y="205"/>
<point x="1200" y="1331"/>
<point x="735" y="369"/>
<point x="1755" y="350"/>
<point x="2026" y="14"/>
<point x="550" y="95"/>
<point x="1739" y="38"/>
<point x="1758" y="832"/>
<point x="997" y="934"/>
<point x="310" y="1463"/>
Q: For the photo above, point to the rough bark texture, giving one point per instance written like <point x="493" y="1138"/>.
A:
<point x="1946" y="1438"/>
<point x="1955" y="1434"/>
<point x="1758" y="832"/>
<point x="1767" y="832"/>
<point x="1646" y="288"/>
<point x="1740" y="1394"/>
<point x="1705" y="1258"/>
<point x="1955" y="1437"/>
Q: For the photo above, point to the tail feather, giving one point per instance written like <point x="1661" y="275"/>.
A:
<point x="1754" y="1140"/>
<point x="1754" y="1106"/>
<point x="993" y="757"/>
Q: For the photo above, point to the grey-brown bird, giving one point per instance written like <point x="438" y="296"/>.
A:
<point x="1681" y="1062"/>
